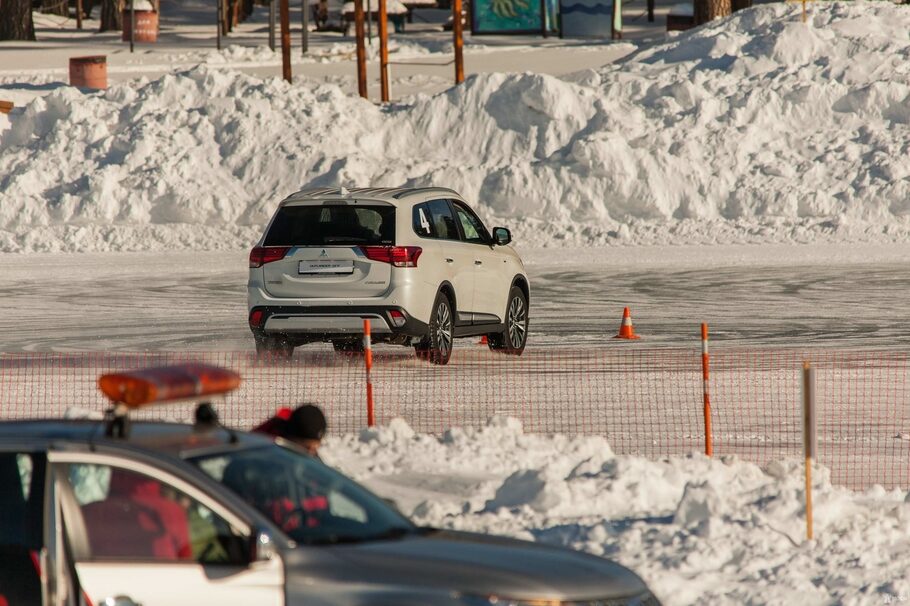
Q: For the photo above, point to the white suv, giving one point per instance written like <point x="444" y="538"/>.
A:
<point x="418" y="263"/>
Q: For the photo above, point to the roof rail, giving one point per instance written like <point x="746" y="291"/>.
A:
<point x="414" y="190"/>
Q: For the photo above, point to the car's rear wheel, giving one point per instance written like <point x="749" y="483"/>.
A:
<point x="274" y="347"/>
<point x="347" y="346"/>
<point x="515" y="336"/>
<point x="437" y="345"/>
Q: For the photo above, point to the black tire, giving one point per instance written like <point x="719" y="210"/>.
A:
<point x="436" y="347"/>
<point x="276" y="348"/>
<point x="513" y="339"/>
<point x="348" y="346"/>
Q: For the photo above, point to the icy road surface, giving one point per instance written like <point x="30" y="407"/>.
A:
<point x="782" y="296"/>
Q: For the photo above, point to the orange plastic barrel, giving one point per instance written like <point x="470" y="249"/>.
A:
<point x="89" y="72"/>
<point x="146" y="26"/>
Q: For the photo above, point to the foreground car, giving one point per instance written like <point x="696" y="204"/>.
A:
<point x="119" y="513"/>
<point x="172" y="515"/>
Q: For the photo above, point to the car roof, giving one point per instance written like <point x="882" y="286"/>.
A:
<point x="175" y="439"/>
<point x="391" y="195"/>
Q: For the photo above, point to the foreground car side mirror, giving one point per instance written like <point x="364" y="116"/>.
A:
<point x="501" y="236"/>
<point x="261" y="548"/>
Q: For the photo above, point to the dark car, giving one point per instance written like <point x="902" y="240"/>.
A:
<point x="172" y="516"/>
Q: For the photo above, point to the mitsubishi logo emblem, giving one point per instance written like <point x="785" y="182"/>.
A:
<point x="323" y="253"/>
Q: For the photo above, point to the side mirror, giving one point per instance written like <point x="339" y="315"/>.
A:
<point x="261" y="548"/>
<point x="501" y="236"/>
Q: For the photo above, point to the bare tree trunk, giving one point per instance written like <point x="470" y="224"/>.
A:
<point x="111" y="15"/>
<point x="708" y="10"/>
<point x="16" y="20"/>
<point x="55" y="7"/>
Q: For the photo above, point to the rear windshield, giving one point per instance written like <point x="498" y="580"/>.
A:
<point x="332" y="225"/>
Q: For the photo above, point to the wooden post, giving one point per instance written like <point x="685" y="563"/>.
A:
<point x="286" y="41"/>
<point x="304" y="26"/>
<point x="220" y="12"/>
<point x="370" y="22"/>
<point x="78" y="14"/>
<point x="361" y="49"/>
<point x="458" y="40"/>
<point x="616" y="22"/>
<point x="272" y="19"/>
<point x="383" y="52"/>
<point x="132" y="23"/>
<point x="368" y="363"/>
<point x="810" y="437"/>
<point x="543" y="18"/>
<point x="706" y="369"/>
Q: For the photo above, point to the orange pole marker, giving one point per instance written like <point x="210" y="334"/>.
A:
<point x="483" y="340"/>
<point x="705" y="369"/>
<point x="626" y="330"/>
<point x="368" y="361"/>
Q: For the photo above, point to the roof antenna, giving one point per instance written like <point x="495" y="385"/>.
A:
<point x="344" y="191"/>
<point x="207" y="419"/>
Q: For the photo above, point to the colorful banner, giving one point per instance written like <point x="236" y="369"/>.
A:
<point x="510" y="16"/>
<point x="586" y="18"/>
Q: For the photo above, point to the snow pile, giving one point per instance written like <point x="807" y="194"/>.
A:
<point x="755" y="128"/>
<point x="698" y="530"/>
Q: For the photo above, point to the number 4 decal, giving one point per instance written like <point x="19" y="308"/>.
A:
<point x="423" y="221"/>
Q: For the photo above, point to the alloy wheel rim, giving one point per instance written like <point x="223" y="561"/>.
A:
<point x="443" y="329"/>
<point x="517" y="319"/>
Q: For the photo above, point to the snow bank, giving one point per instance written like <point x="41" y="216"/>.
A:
<point x="755" y="128"/>
<point x="699" y="530"/>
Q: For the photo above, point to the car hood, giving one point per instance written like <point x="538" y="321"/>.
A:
<point x="467" y="563"/>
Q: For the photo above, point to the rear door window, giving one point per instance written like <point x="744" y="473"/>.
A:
<point x="442" y="220"/>
<point x="332" y="225"/>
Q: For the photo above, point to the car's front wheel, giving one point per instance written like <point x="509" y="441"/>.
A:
<point x="274" y="347"/>
<point x="437" y="345"/>
<point x="515" y="336"/>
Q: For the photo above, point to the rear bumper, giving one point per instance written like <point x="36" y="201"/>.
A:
<point x="328" y="322"/>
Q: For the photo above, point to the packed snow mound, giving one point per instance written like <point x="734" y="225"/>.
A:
<point x="697" y="529"/>
<point x="754" y="128"/>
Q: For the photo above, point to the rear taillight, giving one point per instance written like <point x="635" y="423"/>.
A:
<point x="256" y="318"/>
<point x="398" y="319"/>
<point x="398" y="256"/>
<point x="261" y="255"/>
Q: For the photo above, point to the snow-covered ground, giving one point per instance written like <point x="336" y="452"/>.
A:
<point x="755" y="128"/>
<point x="698" y="530"/>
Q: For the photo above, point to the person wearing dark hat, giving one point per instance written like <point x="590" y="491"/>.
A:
<point x="305" y="426"/>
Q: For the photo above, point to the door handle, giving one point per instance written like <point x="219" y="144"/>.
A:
<point x="477" y="262"/>
<point x="449" y="260"/>
<point x="120" y="600"/>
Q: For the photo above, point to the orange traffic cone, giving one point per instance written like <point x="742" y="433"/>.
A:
<point x="626" y="330"/>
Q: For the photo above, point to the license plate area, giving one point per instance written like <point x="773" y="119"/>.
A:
<point x="325" y="267"/>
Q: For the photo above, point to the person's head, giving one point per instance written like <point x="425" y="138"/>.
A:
<point x="306" y="427"/>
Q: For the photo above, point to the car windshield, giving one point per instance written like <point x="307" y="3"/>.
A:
<point x="311" y="502"/>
